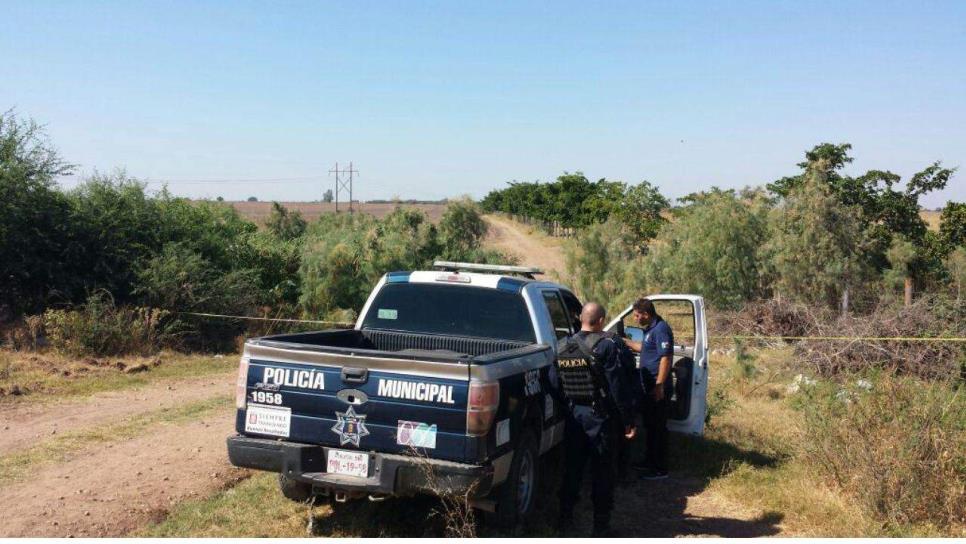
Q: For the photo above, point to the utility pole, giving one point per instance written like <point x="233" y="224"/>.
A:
<point x="351" y="172"/>
<point x="341" y="184"/>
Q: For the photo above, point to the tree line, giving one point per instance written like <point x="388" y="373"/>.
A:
<point x="817" y="236"/>
<point x="110" y="244"/>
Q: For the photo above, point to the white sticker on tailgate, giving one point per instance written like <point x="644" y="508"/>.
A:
<point x="350" y="463"/>
<point x="270" y="420"/>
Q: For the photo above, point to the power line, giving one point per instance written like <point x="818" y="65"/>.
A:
<point x="243" y="180"/>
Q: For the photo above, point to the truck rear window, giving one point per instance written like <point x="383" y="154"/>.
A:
<point x="450" y="309"/>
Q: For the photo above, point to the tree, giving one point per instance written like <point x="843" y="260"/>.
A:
<point x="824" y="160"/>
<point x="36" y="242"/>
<point x="284" y="224"/>
<point x="956" y="264"/>
<point x="710" y="247"/>
<point x="327" y="196"/>
<point x="120" y="226"/>
<point x="901" y="255"/>
<point x="253" y="199"/>
<point x="461" y="229"/>
<point x="952" y="225"/>
<point x="814" y="248"/>
<point x="603" y="265"/>
<point x="882" y="208"/>
<point x="572" y="202"/>
<point x="640" y="211"/>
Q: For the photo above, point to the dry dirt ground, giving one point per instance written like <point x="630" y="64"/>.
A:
<point x="535" y="249"/>
<point x="111" y="488"/>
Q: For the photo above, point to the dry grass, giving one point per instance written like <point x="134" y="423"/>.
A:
<point x="897" y="445"/>
<point x="43" y="376"/>
<point x="256" y="508"/>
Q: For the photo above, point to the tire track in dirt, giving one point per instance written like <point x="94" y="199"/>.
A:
<point x="26" y="423"/>
<point x="111" y="489"/>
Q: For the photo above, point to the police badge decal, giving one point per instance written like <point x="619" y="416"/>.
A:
<point x="350" y="427"/>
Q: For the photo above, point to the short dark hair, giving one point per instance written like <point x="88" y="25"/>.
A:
<point x="645" y="306"/>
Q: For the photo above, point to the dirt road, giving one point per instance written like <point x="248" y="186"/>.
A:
<point x="537" y="250"/>
<point x="111" y="487"/>
<point x="26" y="423"/>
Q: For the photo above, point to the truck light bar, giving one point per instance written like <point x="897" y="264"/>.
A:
<point x="526" y="271"/>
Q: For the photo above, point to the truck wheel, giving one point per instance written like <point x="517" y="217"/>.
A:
<point x="516" y="495"/>
<point x="293" y="489"/>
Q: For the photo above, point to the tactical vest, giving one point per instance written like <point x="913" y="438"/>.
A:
<point x="575" y="372"/>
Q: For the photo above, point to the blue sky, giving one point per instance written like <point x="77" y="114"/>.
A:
<point x="437" y="99"/>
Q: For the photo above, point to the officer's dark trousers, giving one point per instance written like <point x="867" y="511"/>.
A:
<point x="602" y="455"/>
<point x="655" y="425"/>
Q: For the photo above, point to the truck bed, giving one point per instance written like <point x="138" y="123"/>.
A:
<point x="401" y="344"/>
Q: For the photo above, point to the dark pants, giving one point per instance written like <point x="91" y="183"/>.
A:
<point x="601" y="451"/>
<point x="654" y="415"/>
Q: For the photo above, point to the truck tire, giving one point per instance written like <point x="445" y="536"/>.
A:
<point x="515" y="497"/>
<point x="294" y="490"/>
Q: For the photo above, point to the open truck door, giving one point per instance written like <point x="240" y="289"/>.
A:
<point x="689" y="373"/>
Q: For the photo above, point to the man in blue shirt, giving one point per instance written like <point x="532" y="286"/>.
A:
<point x="657" y="351"/>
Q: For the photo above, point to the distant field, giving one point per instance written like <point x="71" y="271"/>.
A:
<point x="931" y="218"/>
<point x="259" y="211"/>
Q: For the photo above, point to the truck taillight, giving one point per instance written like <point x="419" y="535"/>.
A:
<point x="484" y="399"/>
<point x="241" y="385"/>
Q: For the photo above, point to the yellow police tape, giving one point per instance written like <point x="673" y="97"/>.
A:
<point x="283" y="320"/>
<point x="713" y="337"/>
<point x="845" y="338"/>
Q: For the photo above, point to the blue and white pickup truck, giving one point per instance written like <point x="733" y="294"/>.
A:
<point x="441" y="387"/>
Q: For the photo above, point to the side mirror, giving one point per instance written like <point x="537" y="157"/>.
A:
<point x="634" y="333"/>
<point x="619" y="329"/>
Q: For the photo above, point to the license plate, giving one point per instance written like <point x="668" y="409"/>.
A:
<point x="350" y="463"/>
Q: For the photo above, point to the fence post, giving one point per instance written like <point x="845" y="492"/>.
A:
<point x="908" y="291"/>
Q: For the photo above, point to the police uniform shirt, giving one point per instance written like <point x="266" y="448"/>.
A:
<point x="658" y="342"/>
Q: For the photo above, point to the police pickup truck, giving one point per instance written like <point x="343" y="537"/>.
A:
<point x="441" y="387"/>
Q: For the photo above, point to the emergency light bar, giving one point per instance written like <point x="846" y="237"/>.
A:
<point x="526" y="271"/>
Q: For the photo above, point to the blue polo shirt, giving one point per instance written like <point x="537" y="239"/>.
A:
<point x="658" y="342"/>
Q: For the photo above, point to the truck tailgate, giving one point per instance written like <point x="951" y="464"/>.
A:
<point x="356" y="403"/>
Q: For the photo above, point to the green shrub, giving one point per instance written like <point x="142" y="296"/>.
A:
<point x="461" y="229"/>
<point x="343" y="256"/>
<point x="603" y="264"/>
<point x="711" y="247"/>
<point x="897" y="445"/>
<point x="99" y="328"/>
<point x="180" y="280"/>
<point x="35" y="218"/>
<point x="284" y="224"/>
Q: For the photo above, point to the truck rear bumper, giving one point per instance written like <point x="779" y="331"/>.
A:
<point x="389" y="474"/>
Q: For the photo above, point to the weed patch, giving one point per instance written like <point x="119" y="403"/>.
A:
<point x="52" y="376"/>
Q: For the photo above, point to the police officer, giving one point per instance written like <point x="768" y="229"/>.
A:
<point x="589" y="378"/>
<point x="656" y="351"/>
